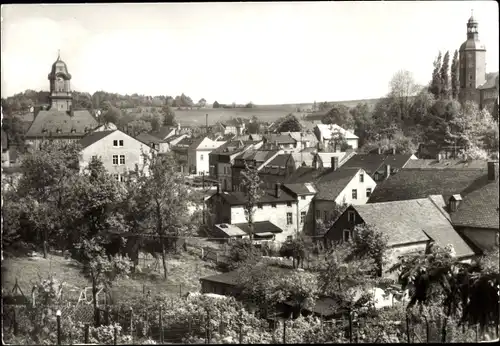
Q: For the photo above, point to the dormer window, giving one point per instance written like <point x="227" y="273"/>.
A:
<point x="73" y="130"/>
<point x="44" y="130"/>
<point x="58" y="131"/>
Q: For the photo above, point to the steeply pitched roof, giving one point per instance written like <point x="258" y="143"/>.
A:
<point x="479" y="209"/>
<point x="269" y="196"/>
<point x="52" y="120"/>
<point x="413" y="220"/>
<point x="328" y="183"/>
<point x="372" y="163"/>
<point x="196" y="143"/>
<point x="257" y="155"/>
<point x="301" y="189"/>
<point x="281" y="160"/>
<point x="420" y="183"/>
<point x="93" y="137"/>
<point x="230" y="148"/>
<point x="446" y="164"/>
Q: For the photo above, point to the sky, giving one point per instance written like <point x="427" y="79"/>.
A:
<point x="266" y="53"/>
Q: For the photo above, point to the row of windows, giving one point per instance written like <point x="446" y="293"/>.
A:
<point x="118" y="143"/>
<point x="355" y="193"/>
<point x="121" y="159"/>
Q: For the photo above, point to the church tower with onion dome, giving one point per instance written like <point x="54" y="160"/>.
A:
<point x="472" y="71"/>
<point x="60" y="87"/>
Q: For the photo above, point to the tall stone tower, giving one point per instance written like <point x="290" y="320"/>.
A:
<point x="472" y="64"/>
<point x="60" y="88"/>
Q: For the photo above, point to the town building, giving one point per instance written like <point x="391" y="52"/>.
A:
<point x="255" y="158"/>
<point x="61" y="121"/>
<point x="332" y="135"/>
<point x="119" y="152"/>
<point x="282" y="142"/>
<point x="277" y="170"/>
<point x="379" y="166"/>
<point x="198" y="155"/>
<point x="180" y="153"/>
<point x="475" y="84"/>
<point x="410" y="226"/>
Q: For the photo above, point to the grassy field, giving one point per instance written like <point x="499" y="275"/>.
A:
<point x="185" y="270"/>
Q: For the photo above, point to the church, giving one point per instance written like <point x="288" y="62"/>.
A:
<point x="60" y="121"/>
<point x="475" y="84"/>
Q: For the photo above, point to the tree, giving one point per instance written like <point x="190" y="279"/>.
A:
<point x="368" y="243"/>
<point x="340" y="115"/>
<point x="216" y="105"/>
<point x="403" y="90"/>
<point x="164" y="198"/>
<point x="249" y="105"/>
<point x="445" y="77"/>
<point x="13" y="128"/>
<point x="455" y="76"/>
<point x="111" y="115"/>
<point x="241" y="253"/>
<point x="254" y="125"/>
<point x="324" y="106"/>
<point x="251" y="184"/>
<point x="296" y="249"/>
<point x="290" y="124"/>
<point x="139" y="126"/>
<point x="201" y="103"/>
<point x="45" y="184"/>
<point x="436" y="86"/>
<point x="101" y="270"/>
<point x="168" y="116"/>
<point x="363" y="122"/>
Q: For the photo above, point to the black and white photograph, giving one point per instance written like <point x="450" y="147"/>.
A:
<point x="250" y="172"/>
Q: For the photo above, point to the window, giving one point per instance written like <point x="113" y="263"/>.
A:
<point x="120" y="143"/>
<point x="347" y="235"/>
<point x="122" y="178"/>
<point x="302" y="197"/>
<point x="354" y="194"/>
<point x="94" y="157"/>
<point x="325" y="215"/>
<point x="361" y="177"/>
<point x="122" y="159"/>
<point x="273" y="205"/>
<point x="201" y="157"/>
<point x="302" y="217"/>
<point x="288" y="238"/>
<point x="318" y="214"/>
<point x="117" y="177"/>
<point x="115" y="143"/>
<point x="288" y="204"/>
<point x="259" y="205"/>
<point x="368" y="192"/>
<point x="115" y="159"/>
<point x="470" y="76"/>
<point x="289" y="219"/>
<point x="351" y="216"/>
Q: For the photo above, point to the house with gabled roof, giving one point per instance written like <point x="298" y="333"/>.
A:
<point x="280" y="141"/>
<point x="304" y="139"/>
<point x="256" y="158"/>
<point x="222" y="159"/>
<point x="198" y="155"/>
<point x="154" y="142"/>
<point x="335" y="187"/>
<point x="476" y="214"/>
<point x="380" y="166"/>
<point x="118" y="151"/>
<point x="276" y="170"/>
<point x="282" y="208"/>
<point x="410" y="226"/>
<point x="329" y="134"/>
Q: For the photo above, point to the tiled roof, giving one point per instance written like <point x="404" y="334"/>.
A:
<point x="420" y="183"/>
<point x="93" y="137"/>
<point x="301" y="189"/>
<point x="302" y="136"/>
<point x="196" y="143"/>
<point x="372" y="163"/>
<point x="269" y="196"/>
<point x="413" y="220"/>
<point x="259" y="227"/>
<point x="257" y="155"/>
<point x="184" y="142"/>
<point x="328" y="183"/>
<point x="280" y="139"/>
<point x="446" y="164"/>
<point x="281" y="160"/>
<point x="52" y="120"/>
<point x="229" y="148"/>
<point x="479" y="209"/>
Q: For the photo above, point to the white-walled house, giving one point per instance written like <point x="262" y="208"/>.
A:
<point x="198" y="155"/>
<point x="327" y="134"/>
<point x="281" y="213"/>
<point x="119" y="152"/>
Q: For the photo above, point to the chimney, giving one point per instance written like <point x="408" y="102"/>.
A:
<point x="219" y="188"/>
<point x="335" y="162"/>
<point x="338" y="149"/>
<point x="387" y="171"/>
<point x="379" y="150"/>
<point x="393" y="151"/>
<point x="315" y="162"/>
<point x="492" y="170"/>
<point x="439" y="157"/>
<point x="278" y="190"/>
<point x="454" y="202"/>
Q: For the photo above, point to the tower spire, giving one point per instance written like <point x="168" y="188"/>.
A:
<point x="58" y="54"/>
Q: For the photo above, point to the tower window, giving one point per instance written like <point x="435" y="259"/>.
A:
<point x="470" y="84"/>
<point x="470" y="76"/>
